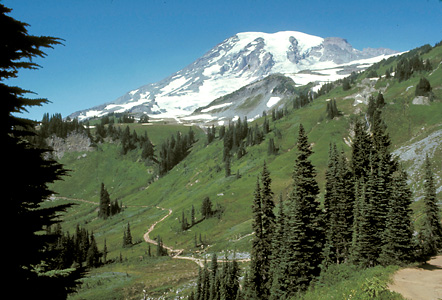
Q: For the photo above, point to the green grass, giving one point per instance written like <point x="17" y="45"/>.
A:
<point x="348" y="282"/>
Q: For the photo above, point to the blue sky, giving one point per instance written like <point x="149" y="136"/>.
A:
<point x="114" y="46"/>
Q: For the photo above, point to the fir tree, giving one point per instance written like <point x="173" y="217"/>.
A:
<point x="31" y="262"/>
<point x="264" y="227"/>
<point x="398" y="236"/>
<point x="303" y="231"/>
<point x="127" y="237"/>
<point x="338" y="203"/>
<point x="361" y="149"/>
<point x="277" y="251"/>
<point x="366" y="240"/>
<point x="430" y="233"/>
<point x="256" y="282"/>
<point x="105" y="203"/>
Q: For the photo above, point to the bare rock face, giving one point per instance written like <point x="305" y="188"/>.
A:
<point x="74" y="142"/>
<point x="421" y="100"/>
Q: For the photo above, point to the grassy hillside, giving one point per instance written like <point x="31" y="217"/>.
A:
<point x="201" y="174"/>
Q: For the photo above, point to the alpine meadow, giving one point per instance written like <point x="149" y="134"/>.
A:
<point x="311" y="174"/>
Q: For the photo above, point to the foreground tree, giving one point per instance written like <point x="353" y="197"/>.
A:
<point x="30" y="261"/>
<point x="264" y="227"/>
<point x="303" y="233"/>
<point x="398" y="245"/>
<point x="338" y="204"/>
<point x="430" y="234"/>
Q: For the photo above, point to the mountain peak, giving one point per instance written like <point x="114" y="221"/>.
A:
<point x="238" y="61"/>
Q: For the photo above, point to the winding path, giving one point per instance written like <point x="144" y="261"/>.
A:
<point x="175" y="253"/>
<point x="420" y="283"/>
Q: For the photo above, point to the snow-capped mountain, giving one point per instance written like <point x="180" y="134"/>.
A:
<point x="238" y="61"/>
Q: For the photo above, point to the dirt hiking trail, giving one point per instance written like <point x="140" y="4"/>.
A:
<point x="423" y="282"/>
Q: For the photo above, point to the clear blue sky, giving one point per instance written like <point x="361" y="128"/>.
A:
<point x="114" y="46"/>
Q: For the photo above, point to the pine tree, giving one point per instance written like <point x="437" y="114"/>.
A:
<point x="31" y="262"/>
<point x="430" y="234"/>
<point x="105" y="203"/>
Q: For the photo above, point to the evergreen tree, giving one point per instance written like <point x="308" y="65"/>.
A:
<point x="361" y="149"/>
<point x="93" y="255"/>
<point x="271" y="149"/>
<point x="364" y="241"/>
<point x="277" y="251"/>
<point x="423" y="88"/>
<point x="264" y="227"/>
<point x="304" y="234"/>
<point x="127" y="237"/>
<point x="105" y="203"/>
<point x="31" y="262"/>
<point x="206" y="208"/>
<point x="398" y="235"/>
<point x="228" y="170"/>
<point x="430" y="234"/>
<point x="256" y="283"/>
<point x="229" y="283"/>
<point x="338" y="203"/>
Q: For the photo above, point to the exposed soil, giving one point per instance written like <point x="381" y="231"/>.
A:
<point x="420" y="283"/>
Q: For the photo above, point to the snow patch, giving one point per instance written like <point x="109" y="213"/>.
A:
<point x="216" y="107"/>
<point x="272" y="101"/>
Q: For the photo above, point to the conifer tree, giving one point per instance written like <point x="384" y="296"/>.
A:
<point x="30" y="258"/>
<point x="398" y="245"/>
<point x="256" y="256"/>
<point x="277" y="251"/>
<point x="338" y="203"/>
<point x="264" y="227"/>
<point x="104" y="209"/>
<point x="304" y="234"/>
<point x="364" y="241"/>
<point x="361" y="149"/>
<point x="430" y="233"/>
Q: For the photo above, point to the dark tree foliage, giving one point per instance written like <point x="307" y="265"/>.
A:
<point x="79" y="248"/>
<point x="430" y="233"/>
<point x="407" y="66"/>
<point x="264" y="227"/>
<point x="106" y="207"/>
<point x="338" y="204"/>
<point x="423" y="88"/>
<point x="332" y="110"/>
<point x="127" y="237"/>
<point x="215" y="283"/>
<point x="346" y="84"/>
<point x="398" y="247"/>
<point x="31" y="263"/>
<point x="303" y="234"/>
<point x="174" y="150"/>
